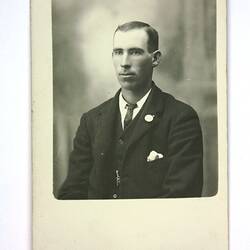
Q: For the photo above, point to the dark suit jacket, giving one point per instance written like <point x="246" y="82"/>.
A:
<point x="174" y="132"/>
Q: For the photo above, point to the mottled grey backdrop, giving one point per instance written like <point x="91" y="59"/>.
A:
<point x="84" y="77"/>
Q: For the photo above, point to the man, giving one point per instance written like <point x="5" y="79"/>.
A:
<point x="142" y="143"/>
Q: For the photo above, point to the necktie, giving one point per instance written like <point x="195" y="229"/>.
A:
<point x="128" y="117"/>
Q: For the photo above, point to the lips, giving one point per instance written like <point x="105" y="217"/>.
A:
<point x="126" y="74"/>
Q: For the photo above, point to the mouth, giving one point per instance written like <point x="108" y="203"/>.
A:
<point x="126" y="74"/>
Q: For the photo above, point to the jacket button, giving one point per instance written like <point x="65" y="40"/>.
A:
<point x="102" y="154"/>
<point x="115" y="196"/>
<point x="121" y="141"/>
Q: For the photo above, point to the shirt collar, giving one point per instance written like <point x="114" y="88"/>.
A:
<point x="122" y="102"/>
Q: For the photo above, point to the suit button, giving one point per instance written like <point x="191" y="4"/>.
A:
<point x="121" y="141"/>
<point x="115" y="196"/>
<point x="102" y="154"/>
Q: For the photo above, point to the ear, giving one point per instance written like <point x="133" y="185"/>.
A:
<point x="156" y="56"/>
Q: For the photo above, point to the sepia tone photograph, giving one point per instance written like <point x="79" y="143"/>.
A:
<point x="129" y="124"/>
<point x="134" y="99"/>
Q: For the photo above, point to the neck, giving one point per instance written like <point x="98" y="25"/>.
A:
<point x="132" y="96"/>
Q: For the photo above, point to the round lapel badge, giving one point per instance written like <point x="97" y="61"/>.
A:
<point x="149" y="118"/>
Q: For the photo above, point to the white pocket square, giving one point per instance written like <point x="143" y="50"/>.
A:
<point x="153" y="155"/>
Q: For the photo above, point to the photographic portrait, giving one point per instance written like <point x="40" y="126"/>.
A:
<point x="84" y="77"/>
<point x="129" y="124"/>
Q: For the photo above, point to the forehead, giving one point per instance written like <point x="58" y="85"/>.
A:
<point x="130" y="39"/>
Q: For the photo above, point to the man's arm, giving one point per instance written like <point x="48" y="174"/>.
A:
<point x="76" y="184"/>
<point x="185" y="157"/>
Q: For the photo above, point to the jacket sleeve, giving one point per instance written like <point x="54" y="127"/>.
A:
<point x="80" y="163"/>
<point x="185" y="157"/>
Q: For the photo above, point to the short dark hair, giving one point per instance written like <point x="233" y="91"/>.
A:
<point x="153" y="37"/>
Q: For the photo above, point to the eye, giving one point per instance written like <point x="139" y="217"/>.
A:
<point x="136" y="52"/>
<point x="117" y="52"/>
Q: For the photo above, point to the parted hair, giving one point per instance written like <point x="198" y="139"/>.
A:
<point x="153" y="37"/>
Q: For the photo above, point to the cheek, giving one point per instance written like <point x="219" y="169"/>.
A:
<point x="144" y="65"/>
<point x="115" y="64"/>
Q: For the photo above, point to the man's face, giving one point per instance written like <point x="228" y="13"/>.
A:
<point x="131" y="59"/>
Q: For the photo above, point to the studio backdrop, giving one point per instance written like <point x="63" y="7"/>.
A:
<point x="83" y="74"/>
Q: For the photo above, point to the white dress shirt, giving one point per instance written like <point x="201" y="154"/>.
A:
<point x="123" y="110"/>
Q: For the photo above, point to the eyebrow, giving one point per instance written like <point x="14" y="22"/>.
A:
<point x="116" y="49"/>
<point x="133" y="48"/>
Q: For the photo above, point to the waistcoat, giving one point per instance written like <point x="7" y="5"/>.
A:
<point x="118" y="149"/>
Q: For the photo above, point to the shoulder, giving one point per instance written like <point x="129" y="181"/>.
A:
<point x="181" y="116"/>
<point x="176" y="108"/>
<point x="100" y="108"/>
<point x="94" y="113"/>
<point x="89" y="121"/>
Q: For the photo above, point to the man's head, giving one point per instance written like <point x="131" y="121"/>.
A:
<point x="152" y="34"/>
<point x="135" y="54"/>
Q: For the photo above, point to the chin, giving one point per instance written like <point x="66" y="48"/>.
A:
<point x="128" y="85"/>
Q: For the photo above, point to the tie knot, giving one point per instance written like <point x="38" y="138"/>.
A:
<point x="130" y="106"/>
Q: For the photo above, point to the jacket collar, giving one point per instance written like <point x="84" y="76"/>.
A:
<point x="150" y="116"/>
<point x="153" y="109"/>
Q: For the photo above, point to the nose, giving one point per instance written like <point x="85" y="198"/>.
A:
<point x="125" y="62"/>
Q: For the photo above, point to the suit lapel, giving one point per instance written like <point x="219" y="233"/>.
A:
<point x="153" y="109"/>
<point x="150" y="115"/>
<point x="107" y="124"/>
